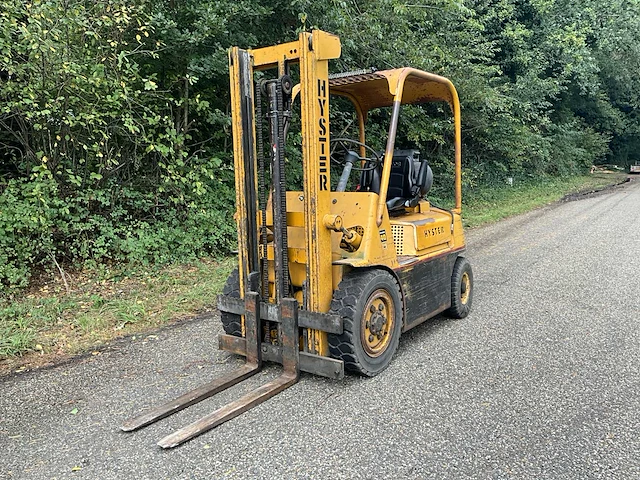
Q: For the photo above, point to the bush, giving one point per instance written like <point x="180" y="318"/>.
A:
<point x="38" y="227"/>
<point x="28" y="215"/>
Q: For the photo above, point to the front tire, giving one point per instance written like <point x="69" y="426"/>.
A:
<point x="461" y="289"/>
<point x="370" y="304"/>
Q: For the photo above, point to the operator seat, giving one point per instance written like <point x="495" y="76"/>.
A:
<point x="410" y="179"/>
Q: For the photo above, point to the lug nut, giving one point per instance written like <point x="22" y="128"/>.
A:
<point x="371" y="338"/>
<point x="372" y="309"/>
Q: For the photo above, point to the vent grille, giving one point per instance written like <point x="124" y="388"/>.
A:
<point x="398" y="238"/>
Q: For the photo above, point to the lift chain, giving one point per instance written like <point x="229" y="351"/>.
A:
<point x="282" y="182"/>
<point x="262" y="193"/>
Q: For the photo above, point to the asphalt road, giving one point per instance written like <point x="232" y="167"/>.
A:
<point x="541" y="381"/>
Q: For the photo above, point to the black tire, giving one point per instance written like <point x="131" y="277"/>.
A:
<point x="360" y="290"/>
<point x="461" y="289"/>
<point x="232" y="323"/>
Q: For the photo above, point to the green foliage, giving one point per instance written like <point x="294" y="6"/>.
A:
<point x="96" y="164"/>
<point x="39" y="227"/>
<point x="28" y="212"/>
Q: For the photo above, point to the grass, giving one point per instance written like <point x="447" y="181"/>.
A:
<point x="48" y="322"/>
<point x="489" y="204"/>
<point x="102" y="305"/>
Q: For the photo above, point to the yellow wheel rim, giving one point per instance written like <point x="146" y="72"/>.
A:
<point x="378" y="323"/>
<point x="465" y="288"/>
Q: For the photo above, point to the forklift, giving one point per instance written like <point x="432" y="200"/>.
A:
<point x="329" y="275"/>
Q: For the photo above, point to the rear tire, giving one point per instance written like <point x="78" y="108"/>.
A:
<point x="370" y="303"/>
<point x="461" y="289"/>
<point x="232" y="323"/>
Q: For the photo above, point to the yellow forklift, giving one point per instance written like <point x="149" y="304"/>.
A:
<point x="328" y="276"/>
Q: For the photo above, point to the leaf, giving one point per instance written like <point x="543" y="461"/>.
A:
<point x="74" y="412"/>
<point x="150" y="85"/>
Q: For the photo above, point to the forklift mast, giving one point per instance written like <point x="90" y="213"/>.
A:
<point x="312" y="52"/>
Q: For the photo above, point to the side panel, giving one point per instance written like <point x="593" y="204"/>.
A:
<point x="427" y="287"/>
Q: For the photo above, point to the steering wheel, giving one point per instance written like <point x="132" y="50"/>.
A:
<point x="351" y="160"/>
<point x="350" y="156"/>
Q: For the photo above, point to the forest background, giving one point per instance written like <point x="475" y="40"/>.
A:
<point x="114" y="114"/>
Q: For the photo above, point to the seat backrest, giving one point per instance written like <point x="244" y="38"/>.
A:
<point x="424" y="178"/>
<point x="409" y="180"/>
<point x="401" y="177"/>
<point x="405" y="169"/>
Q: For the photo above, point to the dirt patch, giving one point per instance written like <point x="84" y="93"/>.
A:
<point x="599" y="191"/>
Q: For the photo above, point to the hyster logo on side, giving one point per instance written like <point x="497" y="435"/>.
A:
<point x="322" y="130"/>
<point x="431" y="232"/>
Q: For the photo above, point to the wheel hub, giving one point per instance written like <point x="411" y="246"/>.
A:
<point x="377" y="322"/>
